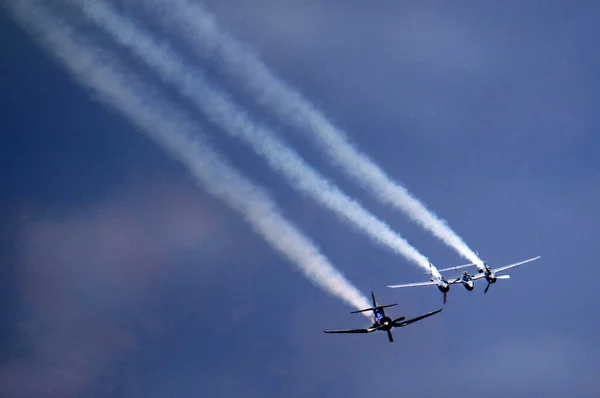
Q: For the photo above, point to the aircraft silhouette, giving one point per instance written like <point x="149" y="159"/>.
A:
<point x="382" y="321"/>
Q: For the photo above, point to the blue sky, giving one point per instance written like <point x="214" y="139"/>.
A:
<point x="120" y="277"/>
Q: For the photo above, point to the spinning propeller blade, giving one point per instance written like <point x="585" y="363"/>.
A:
<point x="487" y="287"/>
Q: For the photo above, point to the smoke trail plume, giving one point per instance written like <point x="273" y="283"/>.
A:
<point x="198" y="27"/>
<point x="98" y="71"/>
<point x="223" y="112"/>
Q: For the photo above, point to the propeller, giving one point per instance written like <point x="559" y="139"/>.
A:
<point x="445" y="294"/>
<point x="390" y="337"/>
<point x="498" y="277"/>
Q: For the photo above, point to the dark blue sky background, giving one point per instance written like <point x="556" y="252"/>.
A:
<point x="120" y="277"/>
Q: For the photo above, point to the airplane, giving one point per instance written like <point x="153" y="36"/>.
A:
<point x="382" y="321"/>
<point x="442" y="283"/>
<point x="490" y="274"/>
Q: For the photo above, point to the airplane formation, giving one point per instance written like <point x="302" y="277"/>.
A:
<point x="385" y="323"/>
<point x="179" y="135"/>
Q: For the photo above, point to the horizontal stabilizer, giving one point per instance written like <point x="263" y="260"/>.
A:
<point x="359" y="311"/>
<point x="373" y="308"/>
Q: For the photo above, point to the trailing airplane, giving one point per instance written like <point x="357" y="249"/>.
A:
<point x="382" y="321"/>
<point x="490" y="274"/>
<point x="442" y="283"/>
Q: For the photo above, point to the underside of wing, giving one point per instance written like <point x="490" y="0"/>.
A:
<point x="367" y="330"/>
<point x="401" y="324"/>
<point x="507" y="267"/>
<point x="349" y="331"/>
<point x="413" y="285"/>
<point x="478" y="276"/>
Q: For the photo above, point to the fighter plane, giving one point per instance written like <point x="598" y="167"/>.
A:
<point x="382" y="321"/>
<point x="442" y="283"/>
<point x="490" y="274"/>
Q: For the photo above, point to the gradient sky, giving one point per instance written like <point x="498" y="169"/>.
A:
<point x="119" y="277"/>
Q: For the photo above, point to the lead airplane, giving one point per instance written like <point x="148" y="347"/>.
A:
<point x="382" y="321"/>
<point x="488" y="273"/>
<point x="443" y="284"/>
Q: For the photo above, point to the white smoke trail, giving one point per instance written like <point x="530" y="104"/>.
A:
<point x="173" y="131"/>
<point x="198" y="27"/>
<point x="223" y="112"/>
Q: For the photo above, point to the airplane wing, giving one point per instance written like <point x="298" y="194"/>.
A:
<point x="457" y="267"/>
<point x="506" y="267"/>
<point x="349" y="331"/>
<point x="367" y="330"/>
<point x="477" y="276"/>
<point x="413" y="285"/>
<point x="401" y="324"/>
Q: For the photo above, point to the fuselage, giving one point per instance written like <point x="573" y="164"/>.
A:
<point x="382" y="319"/>
<point x="442" y="284"/>
<point x="490" y="277"/>
<point x="467" y="281"/>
